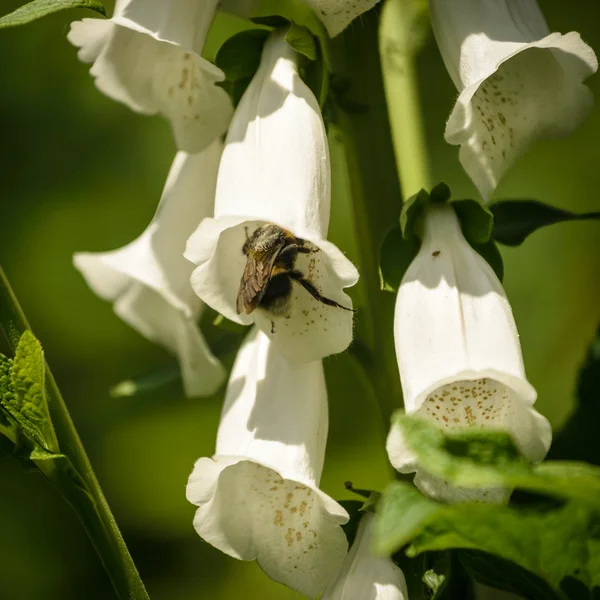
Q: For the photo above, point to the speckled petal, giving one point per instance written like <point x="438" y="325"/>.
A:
<point x="150" y="60"/>
<point x="310" y="329"/>
<point x="458" y="348"/>
<point x="517" y="81"/>
<point x="251" y="513"/>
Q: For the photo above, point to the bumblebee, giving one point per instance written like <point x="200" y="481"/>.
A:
<point x="268" y="277"/>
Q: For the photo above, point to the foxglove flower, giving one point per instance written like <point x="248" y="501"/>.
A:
<point x="258" y="496"/>
<point x="148" y="57"/>
<point x="517" y="82"/>
<point x="364" y="575"/>
<point x="275" y="169"/>
<point x="148" y="280"/>
<point x="458" y="351"/>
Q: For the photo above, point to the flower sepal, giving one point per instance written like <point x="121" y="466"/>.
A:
<point x="403" y="241"/>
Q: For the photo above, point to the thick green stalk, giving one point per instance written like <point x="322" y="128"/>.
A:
<point x="360" y="115"/>
<point x="89" y="503"/>
<point x="402" y="32"/>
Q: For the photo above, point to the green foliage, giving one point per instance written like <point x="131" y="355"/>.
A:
<point x="515" y="220"/>
<point x="239" y="58"/>
<point x="41" y="8"/>
<point x="401" y="244"/>
<point x="302" y="41"/>
<point x="557" y="543"/>
<point x="24" y="394"/>
<point x="578" y="440"/>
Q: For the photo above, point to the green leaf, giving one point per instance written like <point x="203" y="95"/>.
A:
<point x="40" y="8"/>
<point x="505" y="575"/>
<point x="553" y="544"/>
<point x="275" y="13"/>
<point x="440" y="192"/>
<point x="514" y="220"/>
<point x="476" y="220"/>
<point x="302" y="41"/>
<point x="578" y="439"/>
<point x="410" y="217"/>
<point x="475" y="458"/>
<point x="28" y="405"/>
<point x="446" y="578"/>
<point x="395" y="255"/>
<point x="490" y="253"/>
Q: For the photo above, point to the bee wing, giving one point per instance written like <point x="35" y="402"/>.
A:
<point x="254" y="283"/>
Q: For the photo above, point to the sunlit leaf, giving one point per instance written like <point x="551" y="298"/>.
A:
<point x="515" y="220"/>
<point x="41" y="8"/>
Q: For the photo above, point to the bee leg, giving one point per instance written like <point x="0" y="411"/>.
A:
<point x="246" y="230"/>
<point x="314" y="292"/>
<point x="272" y="326"/>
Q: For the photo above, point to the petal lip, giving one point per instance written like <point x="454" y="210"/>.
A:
<point x="314" y="330"/>
<point x="455" y="131"/>
<point x="519" y="385"/>
<point x="291" y="529"/>
<point x="517" y="82"/>
<point x="149" y="58"/>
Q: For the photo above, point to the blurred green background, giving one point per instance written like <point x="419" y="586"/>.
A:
<point x="80" y="172"/>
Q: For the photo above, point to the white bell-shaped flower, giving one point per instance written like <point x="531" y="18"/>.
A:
<point x="258" y="496"/>
<point x="148" y="57"/>
<point x="148" y="280"/>
<point x="458" y="351"/>
<point x="365" y="575"/>
<point x="275" y="170"/>
<point x="517" y="82"/>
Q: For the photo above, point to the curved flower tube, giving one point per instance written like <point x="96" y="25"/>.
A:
<point x="148" y="57"/>
<point x="258" y="496"/>
<point x="275" y="169"/>
<point x="364" y="575"/>
<point x="458" y="351"/>
<point x="148" y="280"/>
<point x="517" y="82"/>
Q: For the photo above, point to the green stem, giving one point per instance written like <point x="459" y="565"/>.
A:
<point x="402" y="33"/>
<point x="89" y="503"/>
<point x="360" y="116"/>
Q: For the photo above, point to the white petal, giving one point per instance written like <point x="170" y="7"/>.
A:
<point x="258" y="497"/>
<point x="250" y="512"/>
<point x="310" y="329"/>
<point x="457" y="345"/>
<point x="517" y="81"/>
<point x="275" y="411"/>
<point x="148" y="280"/>
<point x="364" y="575"/>
<point x="153" y="66"/>
<point x="338" y="14"/>
<point x="275" y="165"/>
<point x="181" y="22"/>
<point x="275" y="169"/>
